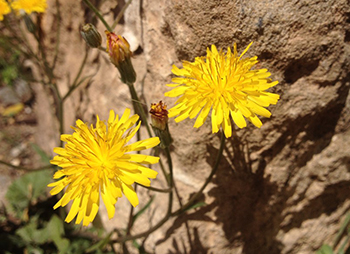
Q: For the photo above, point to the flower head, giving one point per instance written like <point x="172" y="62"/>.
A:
<point x="4" y="9"/>
<point x="225" y="83"/>
<point x="97" y="160"/>
<point x="91" y="36"/>
<point x="159" y="115"/>
<point x="119" y="52"/>
<point x="29" y="6"/>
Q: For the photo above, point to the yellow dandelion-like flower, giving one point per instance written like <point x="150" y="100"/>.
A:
<point x="29" y="6"/>
<point x="4" y="9"/>
<point x="224" y="83"/>
<point x="97" y="160"/>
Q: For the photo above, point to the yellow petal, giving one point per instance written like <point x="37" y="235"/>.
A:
<point x="238" y="119"/>
<point x="130" y="194"/>
<point x="143" y="144"/>
<point x="202" y="116"/>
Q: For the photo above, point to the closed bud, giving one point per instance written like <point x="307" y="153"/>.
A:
<point x="91" y="36"/>
<point x="159" y="118"/>
<point x="29" y="23"/>
<point x="120" y="55"/>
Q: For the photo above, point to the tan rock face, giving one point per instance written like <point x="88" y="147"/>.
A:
<point x="283" y="188"/>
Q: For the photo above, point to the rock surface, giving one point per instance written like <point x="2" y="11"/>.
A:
<point x="283" y="188"/>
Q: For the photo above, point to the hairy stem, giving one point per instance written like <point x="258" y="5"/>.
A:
<point x="98" y="14"/>
<point x="212" y="173"/>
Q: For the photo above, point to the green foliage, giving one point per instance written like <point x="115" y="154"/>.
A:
<point x="325" y="249"/>
<point x="9" y="62"/>
<point x="342" y="239"/>
<point x="40" y="230"/>
<point x="9" y="73"/>
<point x="28" y="189"/>
<point x="56" y="232"/>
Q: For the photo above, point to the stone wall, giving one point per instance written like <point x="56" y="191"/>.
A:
<point x="283" y="188"/>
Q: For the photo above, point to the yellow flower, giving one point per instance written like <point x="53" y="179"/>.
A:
<point x="224" y="83"/>
<point x="97" y="160"/>
<point x="29" y="6"/>
<point x="4" y="9"/>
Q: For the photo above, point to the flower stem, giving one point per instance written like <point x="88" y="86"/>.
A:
<point x="156" y="189"/>
<point x="156" y="153"/>
<point x="26" y="169"/>
<point x="166" y="217"/>
<point x="212" y="173"/>
<point x="58" y="17"/>
<point x="131" y="217"/>
<point x="75" y="82"/>
<point x="98" y="14"/>
<point x="187" y="205"/>
<point x="120" y="14"/>
<point x="138" y="107"/>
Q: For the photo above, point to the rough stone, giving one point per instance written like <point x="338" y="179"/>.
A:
<point x="283" y="188"/>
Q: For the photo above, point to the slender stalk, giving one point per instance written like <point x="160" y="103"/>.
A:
<point x="98" y="14"/>
<point x="131" y="217"/>
<point x="177" y="194"/>
<point x="212" y="173"/>
<point x="61" y="119"/>
<point x="187" y="205"/>
<point x="74" y="85"/>
<point x="25" y="169"/>
<point x="156" y="189"/>
<point x="156" y="153"/>
<point x="41" y="49"/>
<point x="168" y="213"/>
<point x="151" y="230"/>
<point x="138" y="106"/>
<point x="102" y="49"/>
<point x="60" y="109"/>
<point x="120" y="14"/>
<point x="170" y="164"/>
<point x="342" y="231"/>
<point x="58" y="27"/>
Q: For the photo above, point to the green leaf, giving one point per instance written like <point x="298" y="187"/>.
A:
<point x="55" y="229"/>
<point x="325" y="249"/>
<point x="34" y="250"/>
<point x="9" y="74"/>
<point x="78" y="246"/>
<point x="343" y="246"/>
<point x="28" y="188"/>
<point x="31" y="234"/>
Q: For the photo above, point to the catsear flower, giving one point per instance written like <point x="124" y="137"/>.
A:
<point x="29" y="6"/>
<point x="225" y="83"/>
<point x="99" y="160"/>
<point x="4" y="9"/>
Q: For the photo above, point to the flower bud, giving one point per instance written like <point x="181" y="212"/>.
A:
<point x="119" y="52"/>
<point x="29" y="23"/>
<point x="159" y="118"/>
<point x="91" y="35"/>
